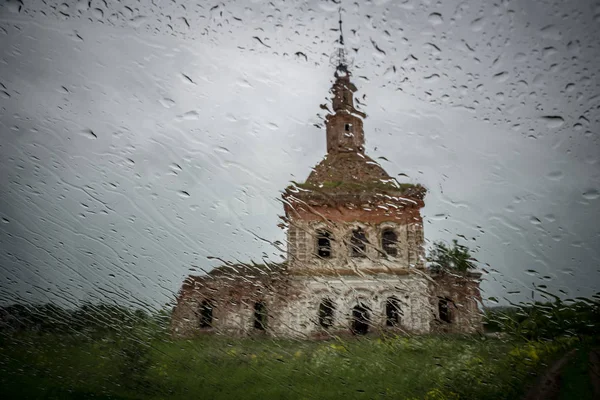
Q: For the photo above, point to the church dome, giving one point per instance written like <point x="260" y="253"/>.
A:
<point x="347" y="168"/>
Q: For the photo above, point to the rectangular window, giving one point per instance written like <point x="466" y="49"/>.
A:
<point x="348" y="127"/>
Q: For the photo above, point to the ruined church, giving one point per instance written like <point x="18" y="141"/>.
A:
<point x="355" y="256"/>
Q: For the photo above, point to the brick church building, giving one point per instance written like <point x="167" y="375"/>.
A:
<point x="355" y="258"/>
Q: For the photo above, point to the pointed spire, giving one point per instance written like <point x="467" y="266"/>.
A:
<point x="341" y="30"/>
<point x="342" y="62"/>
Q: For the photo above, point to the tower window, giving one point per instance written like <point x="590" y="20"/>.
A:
<point x="326" y="309"/>
<point x="324" y="244"/>
<point x="393" y="312"/>
<point x="444" y="310"/>
<point x="389" y="242"/>
<point x="206" y="314"/>
<point x="358" y="243"/>
<point x="348" y="127"/>
<point x="260" y="316"/>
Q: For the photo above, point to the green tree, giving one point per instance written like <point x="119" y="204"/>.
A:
<point x="456" y="257"/>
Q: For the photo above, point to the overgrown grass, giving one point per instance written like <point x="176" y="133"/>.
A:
<point x="133" y="365"/>
<point x="575" y="378"/>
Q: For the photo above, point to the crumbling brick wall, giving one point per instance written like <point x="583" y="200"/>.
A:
<point x="292" y="304"/>
<point x="462" y="293"/>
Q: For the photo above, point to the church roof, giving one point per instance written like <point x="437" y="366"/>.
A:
<point x="348" y="168"/>
<point x="247" y="272"/>
<point x="348" y="175"/>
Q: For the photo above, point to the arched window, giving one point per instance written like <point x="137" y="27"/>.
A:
<point x="326" y="310"/>
<point x="444" y="305"/>
<point x="206" y="314"/>
<point x="324" y="244"/>
<point x="393" y="312"/>
<point x="260" y="316"/>
<point x="389" y="242"/>
<point x="358" y="243"/>
<point x="360" y="320"/>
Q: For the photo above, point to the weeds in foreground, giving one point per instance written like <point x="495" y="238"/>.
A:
<point x="128" y="366"/>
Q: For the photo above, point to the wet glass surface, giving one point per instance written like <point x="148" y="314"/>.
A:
<point x="242" y="200"/>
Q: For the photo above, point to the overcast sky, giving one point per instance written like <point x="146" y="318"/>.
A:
<point x="140" y="139"/>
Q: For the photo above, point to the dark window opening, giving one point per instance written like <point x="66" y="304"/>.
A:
<point x="348" y="127"/>
<point x="444" y="310"/>
<point x="326" y="309"/>
<point x="260" y="316"/>
<point x="206" y="314"/>
<point x="358" y="243"/>
<point x="389" y="242"/>
<point x="393" y="312"/>
<point x="360" y="320"/>
<point x="324" y="244"/>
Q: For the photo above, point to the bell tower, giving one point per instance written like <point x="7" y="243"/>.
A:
<point x="345" y="126"/>
<point x="350" y="217"/>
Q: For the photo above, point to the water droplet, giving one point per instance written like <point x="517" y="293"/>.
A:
<point x="97" y="13"/>
<point x="167" y="103"/>
<point x="520" y="57"/>
<point x="477" y="24"/>
<point x="187" y="79"/>
<point x="501" y="76"/>
<point x="185" y="21"/>
<point x="243" y="83"/>
<point x="567" y="271"/>
<point x="89" y="134"/>
<point x="439" y="217"/>
<point x="190" y="116"/>
<point x="14" y="6"/>
<point x="259" y="40"/>
<point x="300" y="54"/>
<point x="553" y="121"/>
<point x="432" y="78"/>
<point x="555" y="175"/>
<point x="435" y="19"/>
<point x="591" y="194"/>
<point x="221" y="149"/>
<point x="113" y="18"/>
<point x="138" y="21"/>
<point x="379" y="50"/>
<point x="548" y="51"/>
<point x="435" y="50"/>
<point x="551" y="32"/>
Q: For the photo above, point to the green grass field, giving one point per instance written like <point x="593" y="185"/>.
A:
<point x="136" y="366"/>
